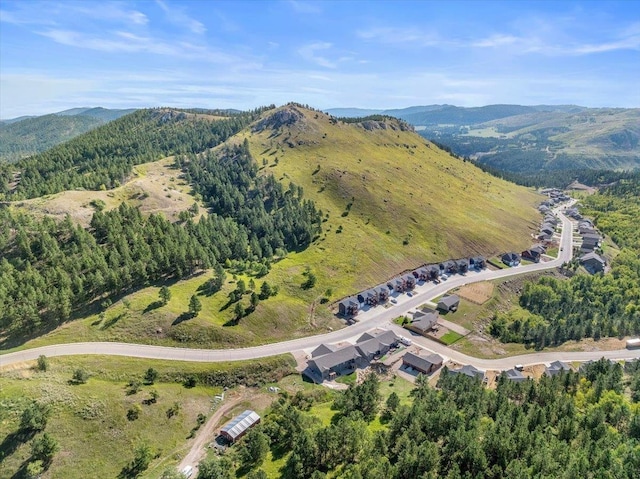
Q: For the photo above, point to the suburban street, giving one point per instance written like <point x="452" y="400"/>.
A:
<point x="372" y="318"/>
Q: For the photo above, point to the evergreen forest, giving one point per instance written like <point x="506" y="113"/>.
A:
<point x="602" y="305"/>
<point x="103" y="158"/>
<point x="583" y="424"/>
<point x="50" y="269"/>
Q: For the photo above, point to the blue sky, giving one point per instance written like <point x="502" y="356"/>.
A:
<point x="58" y="55"/>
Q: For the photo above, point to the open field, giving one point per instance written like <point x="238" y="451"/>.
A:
<point x="477" y="293"/>
<point x="155" y="187"/>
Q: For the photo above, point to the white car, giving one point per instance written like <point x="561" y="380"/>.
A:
<point x="405" y="341"/>
<point x="394" y="301"/>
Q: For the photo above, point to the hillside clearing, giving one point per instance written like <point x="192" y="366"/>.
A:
<point x="155" y="187"/>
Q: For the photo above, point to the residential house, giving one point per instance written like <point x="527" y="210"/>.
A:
<point x="515" y="376"/>
<point x="409" y="282"/>
<point x="531" y="255"/>
<point x="540" y="248"/>
<point x="372" y="345"/>
<point x="477" y="262"/>
<point x="469" y="371"/>
<point x="557" y="367"/>
<point x="423" y="321"/>
<point x="369" y="297"/>
<point x="396" y="284"/>
<point x="322" y="350"/>
<point x="449" y="267"/>
<point x="594" y="237"/>
<point x="340" y="361"/>
<point x="588" y="245"/>
<point x="462" y="265"/>
<point x="593" y="262"/>
<point x="348" y="307"/>
<point x="449" y="303"/>
<point x="239" y="425"/>
<point x="383" y="294"/>
<point x="547" y="229"/>
<point x="511" y="259"/>
<point x="422" y="364"/>
<point x="434" y="272"/>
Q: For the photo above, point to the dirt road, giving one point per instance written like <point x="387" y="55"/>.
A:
<point x="207" y="433"/>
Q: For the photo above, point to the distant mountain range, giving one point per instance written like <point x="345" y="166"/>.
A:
<point x="28" y="135"/>
<point x="528" y="139"/>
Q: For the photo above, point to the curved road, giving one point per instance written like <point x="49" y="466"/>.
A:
<point x="374" y="317"/>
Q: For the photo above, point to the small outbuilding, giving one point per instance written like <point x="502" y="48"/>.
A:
<point x="239" y="425"/>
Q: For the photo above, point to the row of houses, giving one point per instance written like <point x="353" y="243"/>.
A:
<point x="513" y="374"/>
<point x="328" y="361"/>
<point x="591" y="241"/>
<point x="380" y="294"/>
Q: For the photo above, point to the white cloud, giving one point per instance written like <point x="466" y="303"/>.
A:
<point x="409" y="36"/>
<point x="305" y="7"/>
<point x="308" y="52"/>
<point x="178" y="17"/>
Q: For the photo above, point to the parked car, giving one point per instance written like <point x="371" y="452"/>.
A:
<point x="405" y="341"/>
<point x="394" y="301"/>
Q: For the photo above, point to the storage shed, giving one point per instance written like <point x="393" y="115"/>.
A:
<point x="239" y="425"/>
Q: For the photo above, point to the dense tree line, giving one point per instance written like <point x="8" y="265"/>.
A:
<point x="104" y="157"/>
<point x="278" y="219"/>
<point x="32" y="135"/>
<point x="49" y="268"/>
<point x="577" y="424"/>
<point x="596" y="306"/>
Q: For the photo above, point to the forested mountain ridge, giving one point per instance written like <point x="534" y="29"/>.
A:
<point x="24" y="137"/>
<point x="315" y="207"/>
<point x="103" y="157"/>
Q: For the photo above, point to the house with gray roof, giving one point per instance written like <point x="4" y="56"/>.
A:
<point x="477" y="262"/>
<point x="340" y="361"/>
<point x="532" y="255"/>
<point x="514" y="375"/>
<point x="369" y="297"/>
<point x="449" y="267"/>
<point x="322" y="350"/>
<point x="239" y="425"/>
<point x="372" y="345"/>
<point x="383" y="294"/>
<point x="462" y="265"/>
<point x="557" y="367"/>
<point x="511" y="259"/>
<point x="469" y="371"/>
<point x="348" y="307"/>
<point x="422" y="364"/>
<point x="593" y="262"/>
<point x="449" y="303"/>
<point x="423" y="321"/>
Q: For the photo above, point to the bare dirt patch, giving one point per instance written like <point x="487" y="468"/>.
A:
<point x="478" y="293"/>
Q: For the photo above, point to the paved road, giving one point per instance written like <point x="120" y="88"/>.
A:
<point x="374" y="317"/>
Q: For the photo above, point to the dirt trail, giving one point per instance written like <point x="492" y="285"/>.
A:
<point x="206" y="433"/>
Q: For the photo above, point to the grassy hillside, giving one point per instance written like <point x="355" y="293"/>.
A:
<point x="390" y="202"/>
<point x="90" y="421"/>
